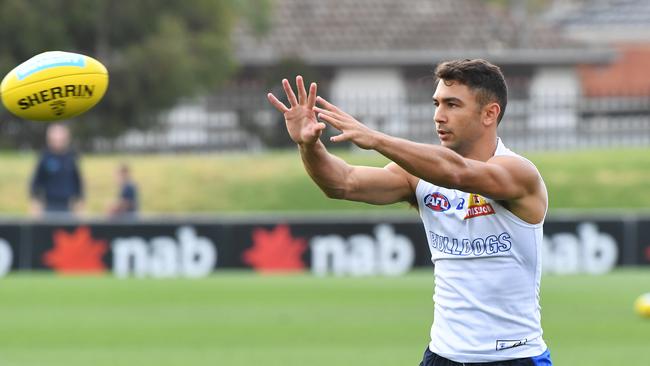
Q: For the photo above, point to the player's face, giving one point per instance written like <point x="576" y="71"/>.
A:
<point x="457" y="116"/>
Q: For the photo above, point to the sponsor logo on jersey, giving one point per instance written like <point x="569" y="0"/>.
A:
<point x="478" y="206"/>
<point x="510" y="343"/>
<point x="437" y="202"/>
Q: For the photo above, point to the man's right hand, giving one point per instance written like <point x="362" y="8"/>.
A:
<point x="302" y="124"/>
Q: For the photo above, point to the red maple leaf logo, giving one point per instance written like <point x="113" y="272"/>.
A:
<point x="76" y="252"/>
<point x="276" y="251"/>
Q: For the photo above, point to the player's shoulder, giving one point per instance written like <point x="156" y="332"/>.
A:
<point x="396" y="169"/>
<point x="513" y="161"/>
<point x="409" y="179"/>
<point x="519" y="170"/>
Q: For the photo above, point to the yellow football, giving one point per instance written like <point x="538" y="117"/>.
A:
<point x="54" y="85"/>
<point x="642" y="305"/>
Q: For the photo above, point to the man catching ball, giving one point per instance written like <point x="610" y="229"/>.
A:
<point x="482" y="206"/>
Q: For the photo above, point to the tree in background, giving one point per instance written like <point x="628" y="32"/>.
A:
<point x="156" y="51"/>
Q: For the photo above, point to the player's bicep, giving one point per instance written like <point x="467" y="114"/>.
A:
<point x="502" y="178"/>
<point x="380" y="186"/>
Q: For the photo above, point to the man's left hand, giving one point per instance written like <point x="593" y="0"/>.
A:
<point x="351" y="129"/>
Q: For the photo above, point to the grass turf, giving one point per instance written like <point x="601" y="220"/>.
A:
<point x="276" y="181"/>
<point x="240" y="318"/>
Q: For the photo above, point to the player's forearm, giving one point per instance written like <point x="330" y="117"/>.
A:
<point x="326" y="170"/>
<point x="435" y="164"/>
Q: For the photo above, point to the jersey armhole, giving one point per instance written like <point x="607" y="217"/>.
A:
<point x="419" y="187"/>
<point x="516" y="219"/>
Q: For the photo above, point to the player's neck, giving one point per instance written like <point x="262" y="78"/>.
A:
<point x="483" y="149"/>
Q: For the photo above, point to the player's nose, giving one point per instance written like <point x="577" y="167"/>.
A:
<point x="439" y="116"/>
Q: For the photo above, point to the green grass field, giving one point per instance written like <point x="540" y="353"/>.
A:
<point x="277" y="182"/>
<point x="239" y="318"/>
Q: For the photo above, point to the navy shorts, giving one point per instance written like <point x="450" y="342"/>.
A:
<point x="432" y="359"/>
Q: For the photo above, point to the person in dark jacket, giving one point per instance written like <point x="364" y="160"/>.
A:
<point x="126" y="204"/>
<point x="56" y="186"/>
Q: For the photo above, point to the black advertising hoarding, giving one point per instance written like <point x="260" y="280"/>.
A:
<point x="340" y="246"/>
<point x="9" y="248"/>
<point x="643" y="241"/>
<point x="587" y="245"/>
<point x="141" y="250"/>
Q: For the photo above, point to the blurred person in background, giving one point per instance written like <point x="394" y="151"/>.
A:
<point x="126" y="205"/>
<point x="56" y="187"/>
<point x="482" y="206"/>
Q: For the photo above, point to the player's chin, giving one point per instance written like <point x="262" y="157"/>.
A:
<point x="450" y="144"/>
<point x="446" y="142"/>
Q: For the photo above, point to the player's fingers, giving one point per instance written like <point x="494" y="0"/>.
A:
<point x="320" y="126"/>
<point x="339" y="138"/>
<point x="324" y="111"/>
<point x="336" y="119"/>
<point x="311" y="99"/>
<point x="330" y="119"/>
<point x="300" y="86"/>
<point x="276" y="103"/>
<point x="329" y="106"/>
<point x="290" y="95"/>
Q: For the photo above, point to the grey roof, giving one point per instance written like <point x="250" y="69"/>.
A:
<point x="335" y="32"/>
<point x="602" y="21"/>
<point x="604" y="13"/>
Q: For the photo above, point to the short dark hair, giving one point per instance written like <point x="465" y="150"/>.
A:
<point x="479" y="75"/>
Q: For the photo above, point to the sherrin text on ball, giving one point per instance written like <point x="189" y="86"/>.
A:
<point x="54" y="85"/>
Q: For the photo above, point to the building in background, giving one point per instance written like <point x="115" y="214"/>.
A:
<point x="376" y="58"/>
<point x="616" y="93"/>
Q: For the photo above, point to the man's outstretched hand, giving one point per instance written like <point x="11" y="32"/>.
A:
<point x="300" y="118"/>
<point x="351" y="129"/>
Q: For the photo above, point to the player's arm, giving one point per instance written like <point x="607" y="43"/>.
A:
<point x="502" y="178"/>
<point x="512" y="180"/>
<point x="333" y="175"/>
<point x="337" y="179"/>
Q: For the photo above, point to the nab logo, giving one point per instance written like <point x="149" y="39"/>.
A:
<point x="276" y="250"/>
<point x="76" y="252"/>
<point x="437" y="202"/>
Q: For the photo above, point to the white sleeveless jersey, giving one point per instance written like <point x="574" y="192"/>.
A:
<point x="487" y="266"/>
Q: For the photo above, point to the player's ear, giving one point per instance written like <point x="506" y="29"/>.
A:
<point x="491" y="113"/>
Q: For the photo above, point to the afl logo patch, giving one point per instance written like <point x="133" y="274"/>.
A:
<point x="437" y="202"/>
